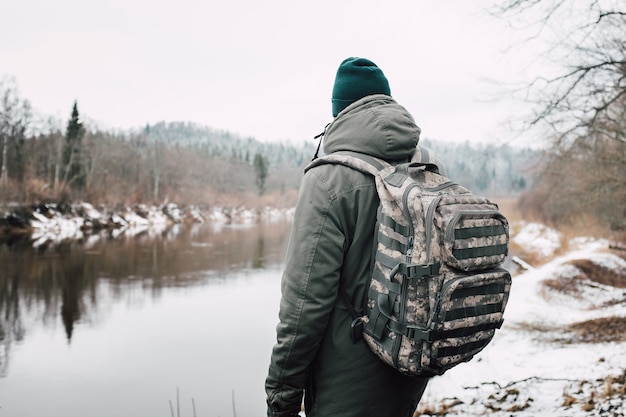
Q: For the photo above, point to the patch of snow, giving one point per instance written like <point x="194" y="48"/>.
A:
<point x="217" y="215"/>
<point x="538" y="238"/>
<point x="246" y="216"/>
<point x="588" y="243"/>
<point x="133" y="219"/>
<point x="90" y="212"/>
<point x="174" y="212"/>
<point x="196" y="214"/>
<point x="55" y="228"/>
<point x="119" y="220"/>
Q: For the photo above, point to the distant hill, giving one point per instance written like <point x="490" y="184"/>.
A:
<point x="492" y="170"/>
<point x="487" y="169"/>
<point x="221" y="143"/>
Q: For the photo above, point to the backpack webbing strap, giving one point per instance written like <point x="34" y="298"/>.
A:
<point x="412" y="332"/>
<point x="416" y="333"/>
<point x="473" y="311"/>
<point x="386" y="260"/>
<point x="480" y="251"/>
<point x="411" y="271"/>
<point x="381" y="314"/>
<point x="392" y="243"/>
<point x="482" y="231"/>
<point x="377" y="323"/>
<point x="392" y="224"/>
<point x="414" y="271"/>
<point x="490" y="289"/>
<point x="379" y="276"/>
<point x="468" y="331"/>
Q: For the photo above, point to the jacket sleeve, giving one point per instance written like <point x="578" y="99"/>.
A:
<point x="309" y="290"/>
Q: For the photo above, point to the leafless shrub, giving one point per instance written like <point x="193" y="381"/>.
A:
<point x="601" y="274"/>
<point x="601" y="330"/>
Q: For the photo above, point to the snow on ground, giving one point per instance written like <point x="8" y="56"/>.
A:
<point x="542" y="239"/>
<point x="528" y="369"/>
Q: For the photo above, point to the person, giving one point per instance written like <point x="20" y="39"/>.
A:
<point x="330" y="246"/>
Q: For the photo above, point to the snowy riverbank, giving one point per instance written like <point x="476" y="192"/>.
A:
<point x="51" y="222"/>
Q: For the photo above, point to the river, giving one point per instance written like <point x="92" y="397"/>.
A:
<point x="177" y="322"/>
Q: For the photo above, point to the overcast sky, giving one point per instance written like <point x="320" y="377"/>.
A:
<point x="257" y="68"/>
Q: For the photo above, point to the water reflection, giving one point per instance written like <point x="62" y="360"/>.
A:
<point x="39" y="283"/>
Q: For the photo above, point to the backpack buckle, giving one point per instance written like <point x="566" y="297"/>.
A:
<point x="418" y="271"/>
<point x="415" y="333"/>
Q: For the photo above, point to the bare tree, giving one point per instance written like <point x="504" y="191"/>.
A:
<point x="155" y="155"/>
<point x="15" y="117"/>
<point x="583" y="104"/>
<point x="586" y="41"/>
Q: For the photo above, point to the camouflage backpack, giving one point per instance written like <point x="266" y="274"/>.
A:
<point x="437" y="293"/>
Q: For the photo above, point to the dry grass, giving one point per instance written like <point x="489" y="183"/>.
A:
<point x="581" y="225"/>
<point x="442" y="408"/>
<point x="589" y="394"/>
<point x="600" y="330"/>
<point x="509" y="207"/>
<point x="600" y="274"/>
<point x="605" y="329"/>
<point x="564" y="285"/>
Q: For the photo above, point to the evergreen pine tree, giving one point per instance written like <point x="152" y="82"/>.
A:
<point x="74" y="173"/>
<point x="260" y="169"/>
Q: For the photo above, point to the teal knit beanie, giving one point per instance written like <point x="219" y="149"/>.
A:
<point x="355" y="79"/>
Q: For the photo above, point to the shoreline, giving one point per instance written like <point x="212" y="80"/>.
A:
<point x="82" y="218"/>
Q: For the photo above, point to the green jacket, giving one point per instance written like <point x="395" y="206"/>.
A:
<point x="330" y="245"/>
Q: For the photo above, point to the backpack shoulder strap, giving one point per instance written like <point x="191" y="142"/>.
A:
<point x="371" y="165"/>
<point x="359" y="161"/>
<point x="426" y="158"/>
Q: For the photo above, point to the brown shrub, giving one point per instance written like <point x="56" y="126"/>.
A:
<point x="581" y="184"/>
<point x="443" y="408"/>
<point x="600" y="273"/>
<point x="605" y="329"/>
<point x="565" y="285"/>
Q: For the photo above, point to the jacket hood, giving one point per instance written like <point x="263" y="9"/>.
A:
<point x="375" y="125"/>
